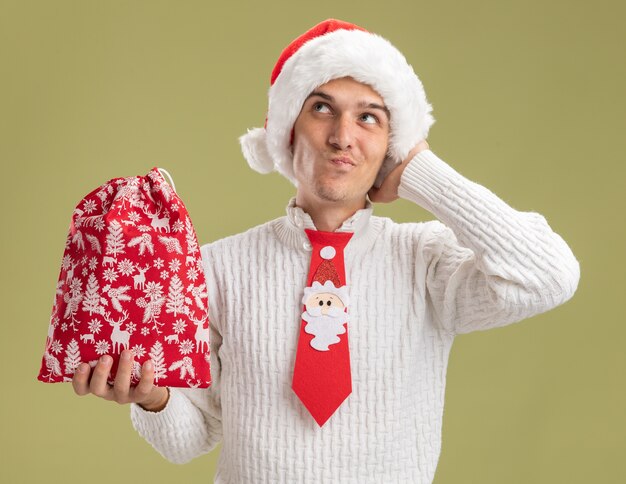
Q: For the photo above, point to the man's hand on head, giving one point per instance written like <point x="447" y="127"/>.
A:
<point x="388" y="190"/>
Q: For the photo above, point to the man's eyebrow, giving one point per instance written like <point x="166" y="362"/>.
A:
<point x="320" y="94"/>
<point x="375" y="106"/>
<point x="362" y="104"/>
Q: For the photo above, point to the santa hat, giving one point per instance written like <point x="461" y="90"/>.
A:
<point x="326" y="278"/>
<point x="331" y="50"/>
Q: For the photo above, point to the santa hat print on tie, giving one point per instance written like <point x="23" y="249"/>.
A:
<point x="131" y="278"/>
<point x="322" y="378"/>
<point x="330" y="50"/>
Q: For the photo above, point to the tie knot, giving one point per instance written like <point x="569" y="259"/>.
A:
<point x="325" y="242"/>
<point x="327" y="259"/>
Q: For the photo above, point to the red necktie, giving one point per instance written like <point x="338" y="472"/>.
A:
<point x="321" y="376"/>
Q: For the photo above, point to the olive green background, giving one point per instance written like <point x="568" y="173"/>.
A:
<point x="529" y="101"/>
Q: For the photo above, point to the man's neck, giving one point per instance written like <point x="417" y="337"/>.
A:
<point x="328" y="216"/>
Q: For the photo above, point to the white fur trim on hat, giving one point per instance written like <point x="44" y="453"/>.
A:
<point x="367" y="58"/>
<point x="254" y="147"/>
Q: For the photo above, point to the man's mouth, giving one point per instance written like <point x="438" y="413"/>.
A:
<point x="342" y="161"/>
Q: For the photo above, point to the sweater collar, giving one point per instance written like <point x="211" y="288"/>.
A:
<point x="355" y="223"/>
<point x="290" y="229"/>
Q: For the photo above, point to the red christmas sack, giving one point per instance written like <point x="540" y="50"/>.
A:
<point x="131" y="277"/>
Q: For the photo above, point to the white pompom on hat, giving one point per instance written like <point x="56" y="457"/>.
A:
<point x="330" y="50"/>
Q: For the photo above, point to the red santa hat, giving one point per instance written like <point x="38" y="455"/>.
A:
<point x="326" y="279"/>
<point x="330" y="50"/>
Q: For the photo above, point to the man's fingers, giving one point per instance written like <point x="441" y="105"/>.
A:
<point x="145" y="385"/>
<point x="121" y="391"/>
<point x="80" y="381"/>
<point x="98" y="385"/>
<point x="121" y="385"/>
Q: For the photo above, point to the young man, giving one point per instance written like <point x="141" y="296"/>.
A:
<point x="331" y="327"/>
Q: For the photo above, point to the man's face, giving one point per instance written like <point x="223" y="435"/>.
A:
<point x="340" y="141"/>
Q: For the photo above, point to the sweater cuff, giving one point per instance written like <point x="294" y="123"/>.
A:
<point x="426" y="179"/>
<point x="168" y="416"/>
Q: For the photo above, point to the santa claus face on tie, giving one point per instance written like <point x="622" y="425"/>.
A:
<point x="324" y="303"/>
<point x="325" y="314"/>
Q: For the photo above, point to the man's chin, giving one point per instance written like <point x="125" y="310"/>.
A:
<point x="329" y="192"/>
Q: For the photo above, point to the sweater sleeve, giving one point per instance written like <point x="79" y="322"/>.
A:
<point x="488" y="264"/>
<point x="190" y="424"/>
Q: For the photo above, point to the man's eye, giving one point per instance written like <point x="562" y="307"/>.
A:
<point x="368" y="118"/>
<point x="320" y="108"/>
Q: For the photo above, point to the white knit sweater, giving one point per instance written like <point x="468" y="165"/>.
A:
<point x="413" y="287"/>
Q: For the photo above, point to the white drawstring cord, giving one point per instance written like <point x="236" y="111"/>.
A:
<point x="164" y="172"/>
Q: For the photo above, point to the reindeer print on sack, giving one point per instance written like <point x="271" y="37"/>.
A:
<point x="139" y="280"/>
<point x="131" y="278"/>
<point x="158" y="223"/>
<point x="119" y="339"/>
<point x="202" y="334"/>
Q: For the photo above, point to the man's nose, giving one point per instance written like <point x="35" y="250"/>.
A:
<point x="342" y="133"/>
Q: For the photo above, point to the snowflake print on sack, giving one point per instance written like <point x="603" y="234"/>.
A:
<point x="109" y="275"/>
<point x="174" y="265"/>
<point x="177" y="226"/>
<point x="180" y="325"/>
<point x="89" y="206"/>
<point x="66" y="262"/>
<point x="125" y="267"/>
<point x="131" y="278"/>
<point x="192" y="274"/>
<point x="56" y="347"/>
<point x="99" y="224"/>
<point x="139" y="351"/>
<point x="186" y="347"/>
<point x="95" y="326"/>
<point x="102" y="347"/>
